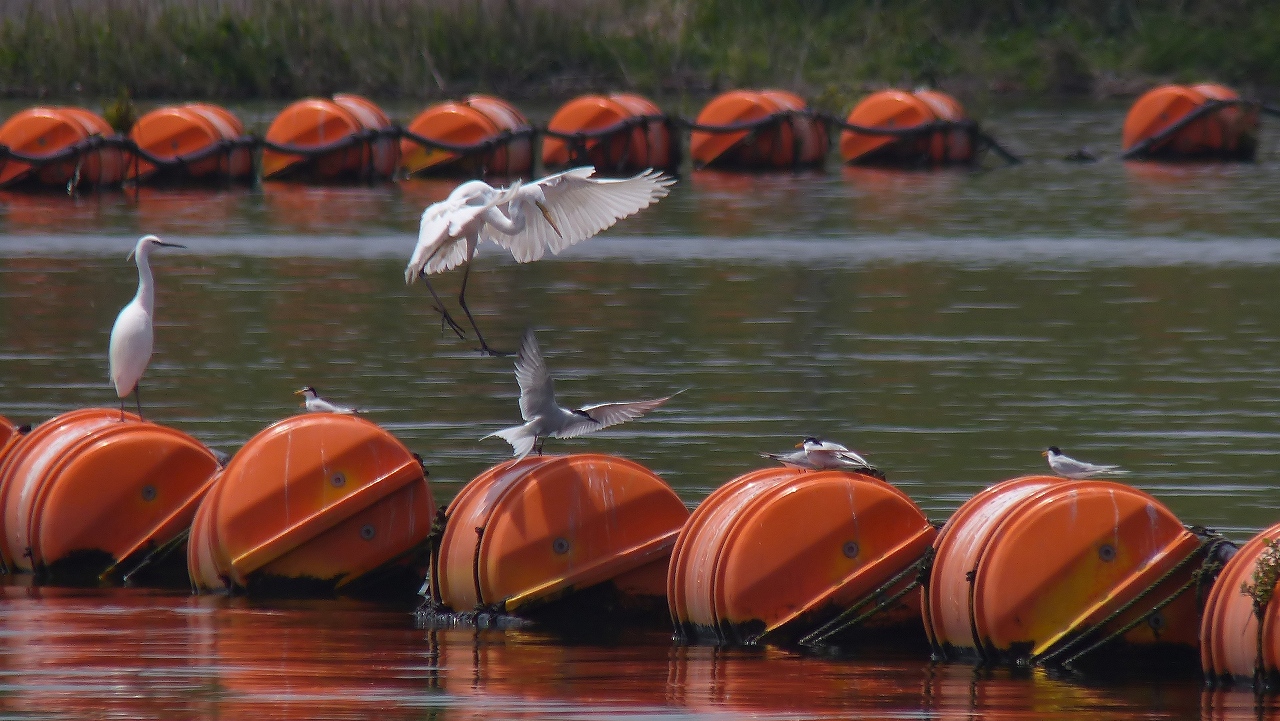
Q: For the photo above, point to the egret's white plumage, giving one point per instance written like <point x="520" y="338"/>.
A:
<point x="312" y="401"/>
<point x="1068" y="467"/>
<point x="132" y="335"/>
<point x="816" y="454"/>
<point x="544" y="417"/>
<point x="552" y="213"/>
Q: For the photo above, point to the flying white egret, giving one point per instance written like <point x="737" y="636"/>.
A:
<point x="816" y="454"/>
<point x="315" y="404"/>
<point x="545" y="418"/>
<point x="571" y="207"/>
<point x="1068" y="467"/>
<point x="132" y="335"/>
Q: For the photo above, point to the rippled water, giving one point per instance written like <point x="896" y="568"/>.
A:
<point x="948" y="325"/>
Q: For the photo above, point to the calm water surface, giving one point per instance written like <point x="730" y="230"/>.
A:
<point x="947" y="325"/>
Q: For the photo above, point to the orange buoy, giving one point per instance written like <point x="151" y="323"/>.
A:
<point x="381" y="155"/>
<point x="49" y="131"/>
<point x="945" y="135"/>
<point x="1233" y="647"/>
<point x="617" y="133"/>
<point x="87" y="497"/>
<point x="1045" y="571"/>
<point x="757" y="129"/>
<point x="500" y="135"/>
<point x="1178" y="122"/>
<point x="190" y="136"/>
<point x="339" y="139"/>
<point x="534" y="530"/>
<point x="786" y="555"/>
<point x="316" y="503"/>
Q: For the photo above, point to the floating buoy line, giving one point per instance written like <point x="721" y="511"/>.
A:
<point x="348" y="138"/>
<point x="1042" y="571"/>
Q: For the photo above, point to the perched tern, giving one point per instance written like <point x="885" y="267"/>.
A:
<point x="315" y="404"/>
<point x="816" y="454"/>
<point x="132" y="335"/>
<point x="1068" y="467"/>
<point x="553" y="213"/>
<point x="543" y="417"/>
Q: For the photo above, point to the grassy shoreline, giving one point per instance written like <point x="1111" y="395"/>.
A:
<point x="830" y="52"/>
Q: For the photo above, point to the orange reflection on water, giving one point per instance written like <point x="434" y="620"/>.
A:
<point x="53" y="210"/>
<point x="327" y="209"/>
<point x="1238" y="703"/>
<point x="136" y="654"/>
<point x="890" y="200"/>
<point x="187" y="211"/>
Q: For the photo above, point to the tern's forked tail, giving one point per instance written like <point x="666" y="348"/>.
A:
<point x="520" y="438"/>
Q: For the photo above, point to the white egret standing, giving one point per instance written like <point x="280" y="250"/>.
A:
<point x="1068" y="467"/>
<point x="571" y="207"/>
<point x="545" y="418"/>
<point x="132" y="335"/>
<point x="315" y="404"/>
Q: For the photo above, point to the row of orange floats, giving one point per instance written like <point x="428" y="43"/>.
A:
<point x="348" y="137"/>
<point x="1036" y="570"/>
<point x="312" y="504"/>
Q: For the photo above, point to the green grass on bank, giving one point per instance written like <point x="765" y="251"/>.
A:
<point x="830" y="51"/>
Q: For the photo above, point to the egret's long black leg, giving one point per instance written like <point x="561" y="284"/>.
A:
<point x="462" y="301"/>
<point x="137" y="398"/>
<point x="445" y="318"/>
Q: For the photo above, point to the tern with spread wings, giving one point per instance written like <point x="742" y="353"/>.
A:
<point x="544" y="417"/>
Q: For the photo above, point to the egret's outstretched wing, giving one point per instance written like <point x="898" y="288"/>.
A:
<point x="603" y="415"/>
<point x="537" y="390"/>
<point x="580" y="206"/>
<point x="446" y="223"/>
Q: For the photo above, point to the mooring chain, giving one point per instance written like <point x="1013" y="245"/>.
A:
<point x="847" y="618"/>
<point x="1208" y="551"/>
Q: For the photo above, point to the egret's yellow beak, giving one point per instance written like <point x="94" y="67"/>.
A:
<point x="547" y="214"/>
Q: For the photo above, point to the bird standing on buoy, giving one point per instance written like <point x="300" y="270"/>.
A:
<point x="1068" y="467"/>
<point x="545" y="418"/>
<point x="132" y="335"/>
<point x="315" y="404"/>
<point x="816" y="454"/>
<point x="553" y="213"/>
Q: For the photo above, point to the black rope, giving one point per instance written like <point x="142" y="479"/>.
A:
<point x="996" y="147"/>
<point x="850" y="618"/>
<point x="493" y="141"/>
<point x="1211" y="106"/>
<point x="1208" y="551"/>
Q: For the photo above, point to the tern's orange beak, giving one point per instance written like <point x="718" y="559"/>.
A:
<point x="547" y="214"/>
<point x="1044" y="453"/>
<point x="800" y="444"/>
